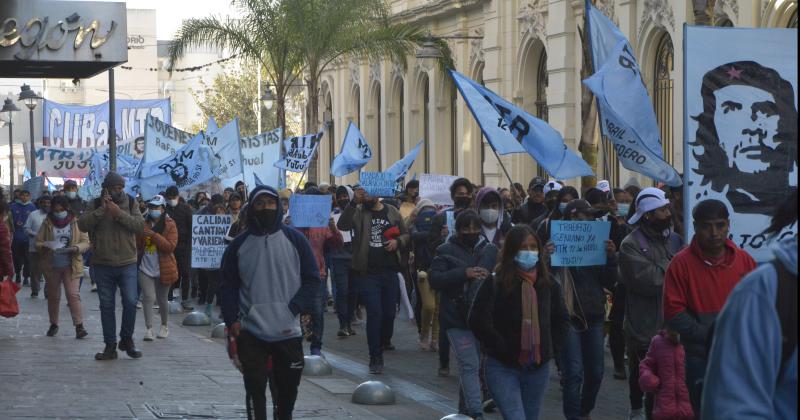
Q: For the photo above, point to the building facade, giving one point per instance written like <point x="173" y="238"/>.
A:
<point x="529" y="52"/>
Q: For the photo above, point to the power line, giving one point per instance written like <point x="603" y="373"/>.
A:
<point x="183" y="69"/>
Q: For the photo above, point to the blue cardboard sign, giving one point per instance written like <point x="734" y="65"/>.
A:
<point x="579" y="244"/>
<point x="378" y="184"/>
<point x="309" y="211"/>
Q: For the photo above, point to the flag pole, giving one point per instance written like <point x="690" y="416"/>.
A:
<point x="501" y="164"/>
<point x="586" y="23"/>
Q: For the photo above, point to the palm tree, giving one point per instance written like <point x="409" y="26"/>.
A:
<point x="332" y="29"/>
<point x="262" y="36"/>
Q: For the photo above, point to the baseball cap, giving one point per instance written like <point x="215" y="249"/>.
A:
<point x="648" y="200"/>
<point x="551" y="185"/>
<point x="603" y="185"/>
<point x="536" y="182"/>
<point x="157" y="200"/>
<point x="580" y="205"/>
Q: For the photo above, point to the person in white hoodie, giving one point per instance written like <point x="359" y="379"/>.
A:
<point x="32" y="226"/>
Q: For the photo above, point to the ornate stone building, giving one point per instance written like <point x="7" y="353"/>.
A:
<point x="529" y="52"/>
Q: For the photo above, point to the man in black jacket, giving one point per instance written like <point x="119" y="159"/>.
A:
<point x="181" y="213"/>
<point x="534" y="206"/>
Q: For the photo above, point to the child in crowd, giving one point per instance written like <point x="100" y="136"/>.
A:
<point x="662" y="372"/>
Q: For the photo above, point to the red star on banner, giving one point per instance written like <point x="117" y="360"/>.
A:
<point x="734" y="74"/>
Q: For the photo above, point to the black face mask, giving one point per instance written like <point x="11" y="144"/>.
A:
<point x="117" y="196"/>
<point x="660" y="225"/>
<point x="462" y="202"/>
<point x="369" y="205"/>
<point x="469" y="239"/>
<point x="342" y="204"/>
<point x="266" y="218"/>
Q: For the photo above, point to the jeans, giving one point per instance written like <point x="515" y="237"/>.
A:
<point x="517" y="392"/>
<point x="582" y="369"/>
<point x="183" y="256"/>
<point x="36" y="271"/>
<point x="340" y="277"/>
<point x="318" y="316"/>
<point x="695" y="372"/>
<point x="208" y="281"/>
<point x="636" y="353"/>
<point x="22" y="265"/>
<point x="465" y="347"/>
<point x="379" y="293"/>
<point x="108" y="279"/>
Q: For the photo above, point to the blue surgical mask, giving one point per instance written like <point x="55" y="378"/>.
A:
<point x="562" y="207"/>
<point x="61" y="215"/>
<point x="622" y="209"/>
<point x="526" y="259"/>
<point x="155" y="214"/>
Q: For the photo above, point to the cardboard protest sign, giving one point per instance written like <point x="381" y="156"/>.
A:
<point x="579" y="244"/>
<point x="436" y="188"/>
<point x="299" y="151"/>
<point x="208" y="239"/>
<point x="378" y="184"/>
<point x="309" y="211"/>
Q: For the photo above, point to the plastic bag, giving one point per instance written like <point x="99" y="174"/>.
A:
<point x="9" y="307"/>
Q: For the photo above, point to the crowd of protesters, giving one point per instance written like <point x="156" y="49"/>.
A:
<point x="692" y="324"/>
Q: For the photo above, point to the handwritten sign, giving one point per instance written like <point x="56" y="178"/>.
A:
<point x="436" y="188"/>
<point x="579" y="244"/>
<point x="208" y="239"/>
<point x="310" y="210"/>
<point x="299" y="151"/>
<point x="378" y="184"/>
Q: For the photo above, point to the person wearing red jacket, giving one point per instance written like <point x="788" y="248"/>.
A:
<point x="6" y="262"/>
<point x="697" y="284"/>
<point x="662" y="372"/>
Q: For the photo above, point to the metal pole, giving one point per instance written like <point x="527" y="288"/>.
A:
<point x="10" y="156"/>
<point x="33" y="148"/>
<point x="258" y="99"/>
<point x="112" y="129"/>
<point x="511" y="182"/>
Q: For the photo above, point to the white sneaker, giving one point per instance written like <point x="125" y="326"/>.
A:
<point x="139" y="305"/>
<point x="148" y="335"/>
<point x="155" y="307"/>
<point x="636" y="414"/>
<point x="164" y="332"/>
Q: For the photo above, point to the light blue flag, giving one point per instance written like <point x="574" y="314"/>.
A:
<point x="190" y="165"/>
<point x="212" y="125"/>
<point x="401" y="167"/>
<point x="627" y="116"/>
<point x="510" y="129"/>
<point x="26" y="174"/>
<point x="50" y="186"/>
<point x="257" y="180"/>
<point x="227" y="148"/>
<point x="298" y="152"/>
<point x="355" y="153"/>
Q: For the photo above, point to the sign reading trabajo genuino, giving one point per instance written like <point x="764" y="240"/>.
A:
<point x="65" y="39"/>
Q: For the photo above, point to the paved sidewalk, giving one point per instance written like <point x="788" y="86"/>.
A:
<point x="185" y="376"/>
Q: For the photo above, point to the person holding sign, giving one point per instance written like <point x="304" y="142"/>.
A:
<point x="60" y="244"/>
<point x="520" y="319"/>
<point x="158" y="268"/>
<point x="268" y="278"/>
<point x="582" y="356"/>
<point x="457" y="271"/>
<point x="379" y="235"/>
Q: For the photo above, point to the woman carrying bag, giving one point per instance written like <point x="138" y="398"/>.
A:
<point x="61" y="245"/>
<point x="158" y="269"/>
<point x="519" y="318"/>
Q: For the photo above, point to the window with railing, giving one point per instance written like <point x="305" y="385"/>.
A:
<point x="541" y="97"/>
<point x="663" y="95"/>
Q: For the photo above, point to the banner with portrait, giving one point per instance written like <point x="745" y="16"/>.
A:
<point x="740" y="127"/>
<point x="80" y="126"/>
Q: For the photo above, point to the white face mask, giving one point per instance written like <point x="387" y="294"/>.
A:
<point x="173" y="202"/>
<point x="490" y="216"/>
<point x="71" y="194"/>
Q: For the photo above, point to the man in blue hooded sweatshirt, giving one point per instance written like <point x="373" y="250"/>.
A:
<point x="752" y="366"/>
<point x="269" y="276"/>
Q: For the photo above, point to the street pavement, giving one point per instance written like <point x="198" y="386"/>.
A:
<point x="188" y="375"/>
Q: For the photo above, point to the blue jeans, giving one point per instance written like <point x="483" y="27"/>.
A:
<point x="379" y="293"/>
<point x="108" y="279"/>
<point x="582" y="369"/>
<point x="318" y="317"/>
<point x="340" y="277"/>
<point x="465" y="347"/>
<point x="517" y="392"/>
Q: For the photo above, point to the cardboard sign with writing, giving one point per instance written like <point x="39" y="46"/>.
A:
<point x="309" y="211"/>
<point x="378" y="184"/>
<point x="579" y="244"/>
<point x="436" y="188"/>
<point x="208" y="239"/>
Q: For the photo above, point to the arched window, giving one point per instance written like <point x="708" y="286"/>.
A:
<point x="541" y="97"/>
<point x="426" y="122"/>
<point x="357" y="101"/>
<point x="454" y="128"/>
<point x="327" y="117"/>
<point x="378" y="120"/>
<point x="663" y="94"/>
<point x="402" y="115"/>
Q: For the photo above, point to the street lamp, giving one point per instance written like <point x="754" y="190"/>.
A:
<point x="267" y="99"/>
<point x="10" y="108"/>
<point x="31" y="100"/>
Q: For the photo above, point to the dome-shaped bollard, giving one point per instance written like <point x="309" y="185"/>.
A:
<point x="196" y="319"/>
<point x="456" y="417"/>
<point x="316" y="366"/>
<point x="175" y="307"/>
<point x="218" y="331"/>
<point x="373" y="393"/>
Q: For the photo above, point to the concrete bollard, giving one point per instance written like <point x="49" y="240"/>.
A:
<point x="196" y="319"/>
<point x="175" y="307"/>
<point x="373" y="393"/>
<point x="218" y="331"/>
<point x="316" y="366"/>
